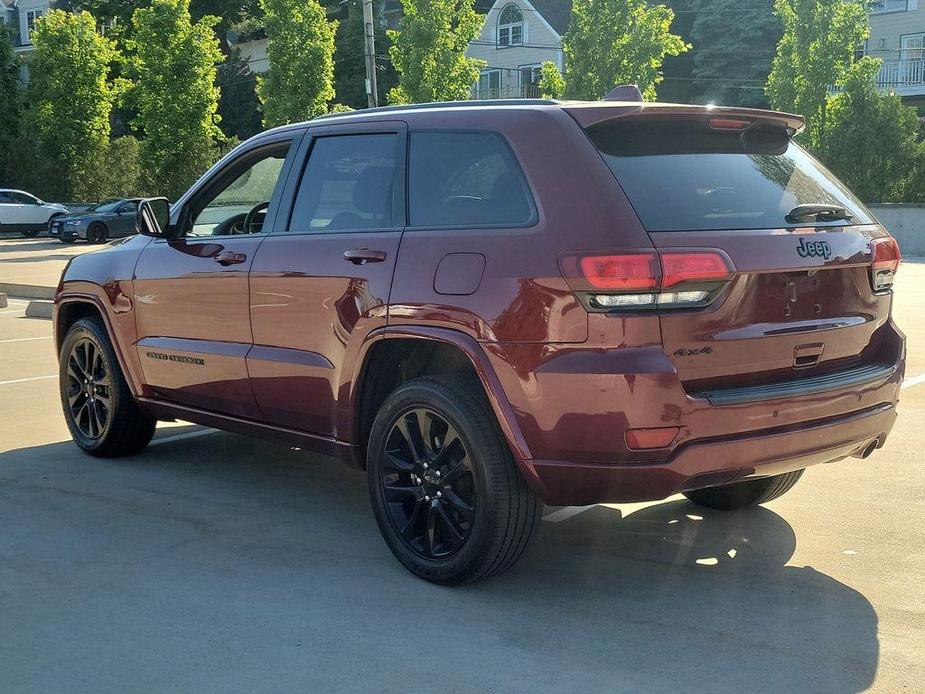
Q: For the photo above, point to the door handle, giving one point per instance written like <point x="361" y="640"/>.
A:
<point x="361" y="256"/>
<point x="229" y="258"/>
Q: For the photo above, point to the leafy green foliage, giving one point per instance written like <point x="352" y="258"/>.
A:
<point x="9" y="105"/>
<point x="732" y="59"/>
<point x="299" y="84"/>
<point x="611" y="42"/>
<point x="816" y="51"/>
<point x="175" y="94"/>
<point x="71" y="99"/>
<point x="552" y="84"/>
<point x="429" y="52"/>
<point x="871" y="141"/>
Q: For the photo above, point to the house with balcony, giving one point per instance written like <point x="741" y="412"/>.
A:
<point x="897" y="37"/>
<point x="517" y="37"/>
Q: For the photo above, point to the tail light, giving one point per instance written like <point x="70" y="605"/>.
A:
<point x="886" y="258"/>
<point x="648" y="279"/>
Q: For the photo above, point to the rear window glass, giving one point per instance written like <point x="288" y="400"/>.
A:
<point x="682" y="175"/>
<point x="465" y="179"/>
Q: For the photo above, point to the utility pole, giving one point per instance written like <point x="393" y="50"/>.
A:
<point x="369" y="43"/>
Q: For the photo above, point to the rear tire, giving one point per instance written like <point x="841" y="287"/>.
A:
<point x="730" y="497"/>
<point x="101" y="414"/>
<point x="97" y="233"/>
<point x="29" y="233"/>
<point x="467" y="514"/>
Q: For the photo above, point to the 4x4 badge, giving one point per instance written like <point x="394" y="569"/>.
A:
<point x="814" y="249"/>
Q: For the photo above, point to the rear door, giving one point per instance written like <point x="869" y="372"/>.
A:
<point x="801" y="300"/>
<point x="191" y="293"/>
<point x="320" y="282"/>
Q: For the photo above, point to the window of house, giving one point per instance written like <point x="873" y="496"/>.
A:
<point x="459" y="179"/>
<point x="348" y="184"/>
<point x="31" y="16"/>
<point x="511" y="26"/>
<point x="884" y="6"/>
<point x="490" y="84"/>
<point x="529" y="81"/>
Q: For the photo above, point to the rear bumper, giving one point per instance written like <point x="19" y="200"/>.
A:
<point x="711" y="462"/>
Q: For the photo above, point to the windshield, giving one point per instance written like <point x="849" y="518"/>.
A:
<point x="105" y="206"/>
<point x="683" y="175"/>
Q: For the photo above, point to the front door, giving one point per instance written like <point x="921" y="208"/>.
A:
<point x="320" y="283"/>
<point x="191" y="293"/>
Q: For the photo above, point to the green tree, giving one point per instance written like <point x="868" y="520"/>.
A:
<point x="816" y="51"/>
<point x="429" y="51"/>
<point x="9" y="105"/>
<point x="732" y="59"/>
<point x="174" y="66"/>
<point x="299" y="84"/>
<point x="552" y="84"/>
<point x="71" y="98"/>
<point x="872" y="140"/>
<point x="611" y="42"/>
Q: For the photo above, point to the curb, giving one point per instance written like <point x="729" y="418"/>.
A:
<point x="3" y="302"/>
<point x="27" y="291"/>
<point x="40" y="309"/>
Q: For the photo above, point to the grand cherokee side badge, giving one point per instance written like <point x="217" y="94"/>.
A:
<point x="814" y="249"/>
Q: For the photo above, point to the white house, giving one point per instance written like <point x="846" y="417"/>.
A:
<point x="518" y="36"/>
<point x="20" y="16"/>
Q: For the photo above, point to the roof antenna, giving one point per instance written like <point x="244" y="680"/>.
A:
<point x="624" y="92"/>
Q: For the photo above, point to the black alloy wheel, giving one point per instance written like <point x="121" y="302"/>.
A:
<point x="96" y="233"/>
<point x="89" y="389"/>
<point x="428" y="484"/>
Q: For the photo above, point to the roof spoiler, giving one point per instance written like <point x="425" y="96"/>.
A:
<point x="624" y="92"/>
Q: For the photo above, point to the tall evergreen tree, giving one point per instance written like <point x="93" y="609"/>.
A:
<point x="733" y="48"/>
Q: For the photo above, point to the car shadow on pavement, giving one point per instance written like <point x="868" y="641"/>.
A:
<point x="222" y="563"/>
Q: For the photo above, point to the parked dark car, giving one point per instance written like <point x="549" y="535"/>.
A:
<point x="105" y="220"/>
<point x="492" y="305"/>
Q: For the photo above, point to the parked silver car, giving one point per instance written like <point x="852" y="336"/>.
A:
<point x="23" y="212"/>
<point x="105" y="220"/>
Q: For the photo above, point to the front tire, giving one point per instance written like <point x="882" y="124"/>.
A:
<point x="101" y="414"/>
<point x="445" y="490"/>
<point x="730" y="497"/>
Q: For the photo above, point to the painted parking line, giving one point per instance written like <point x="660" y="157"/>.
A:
<point x="25" y="339"/>
<point x="566" y="513"/>
<point x="26" y="380"/>
<point x="914" y="381"/>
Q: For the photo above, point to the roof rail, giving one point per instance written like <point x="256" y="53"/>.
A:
<point x="443" y="104"/>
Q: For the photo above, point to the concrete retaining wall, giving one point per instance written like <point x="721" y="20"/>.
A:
<point x="905" y="221"/>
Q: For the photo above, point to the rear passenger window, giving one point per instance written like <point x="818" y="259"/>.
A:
<point x="466" y="179"/>
<point x="348" y="184"/>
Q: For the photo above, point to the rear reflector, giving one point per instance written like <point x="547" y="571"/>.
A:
<point x="637" y="439"/>
<point x="886" y="259"/>
<point x="628" y="272"/>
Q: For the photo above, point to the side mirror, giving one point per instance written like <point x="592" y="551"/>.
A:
<point x="153" y="217"/>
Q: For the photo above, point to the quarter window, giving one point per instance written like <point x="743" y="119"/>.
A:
<point x="348" y="184"/>
<point x="466" y="179"/>
<point x="511" y="26"/>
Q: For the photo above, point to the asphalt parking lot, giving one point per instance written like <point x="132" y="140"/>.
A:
<point x="216" y="563"/>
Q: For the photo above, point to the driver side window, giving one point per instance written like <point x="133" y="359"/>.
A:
<point x="239" y="205"/>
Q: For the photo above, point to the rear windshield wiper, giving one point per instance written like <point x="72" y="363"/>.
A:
<point x="816" y="212"/>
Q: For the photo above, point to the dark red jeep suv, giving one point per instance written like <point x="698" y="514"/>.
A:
<point x="489" y="305"/>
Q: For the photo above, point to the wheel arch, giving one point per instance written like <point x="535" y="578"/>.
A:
<point x="71" y="308"/>
<point x="395" y="354"/>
